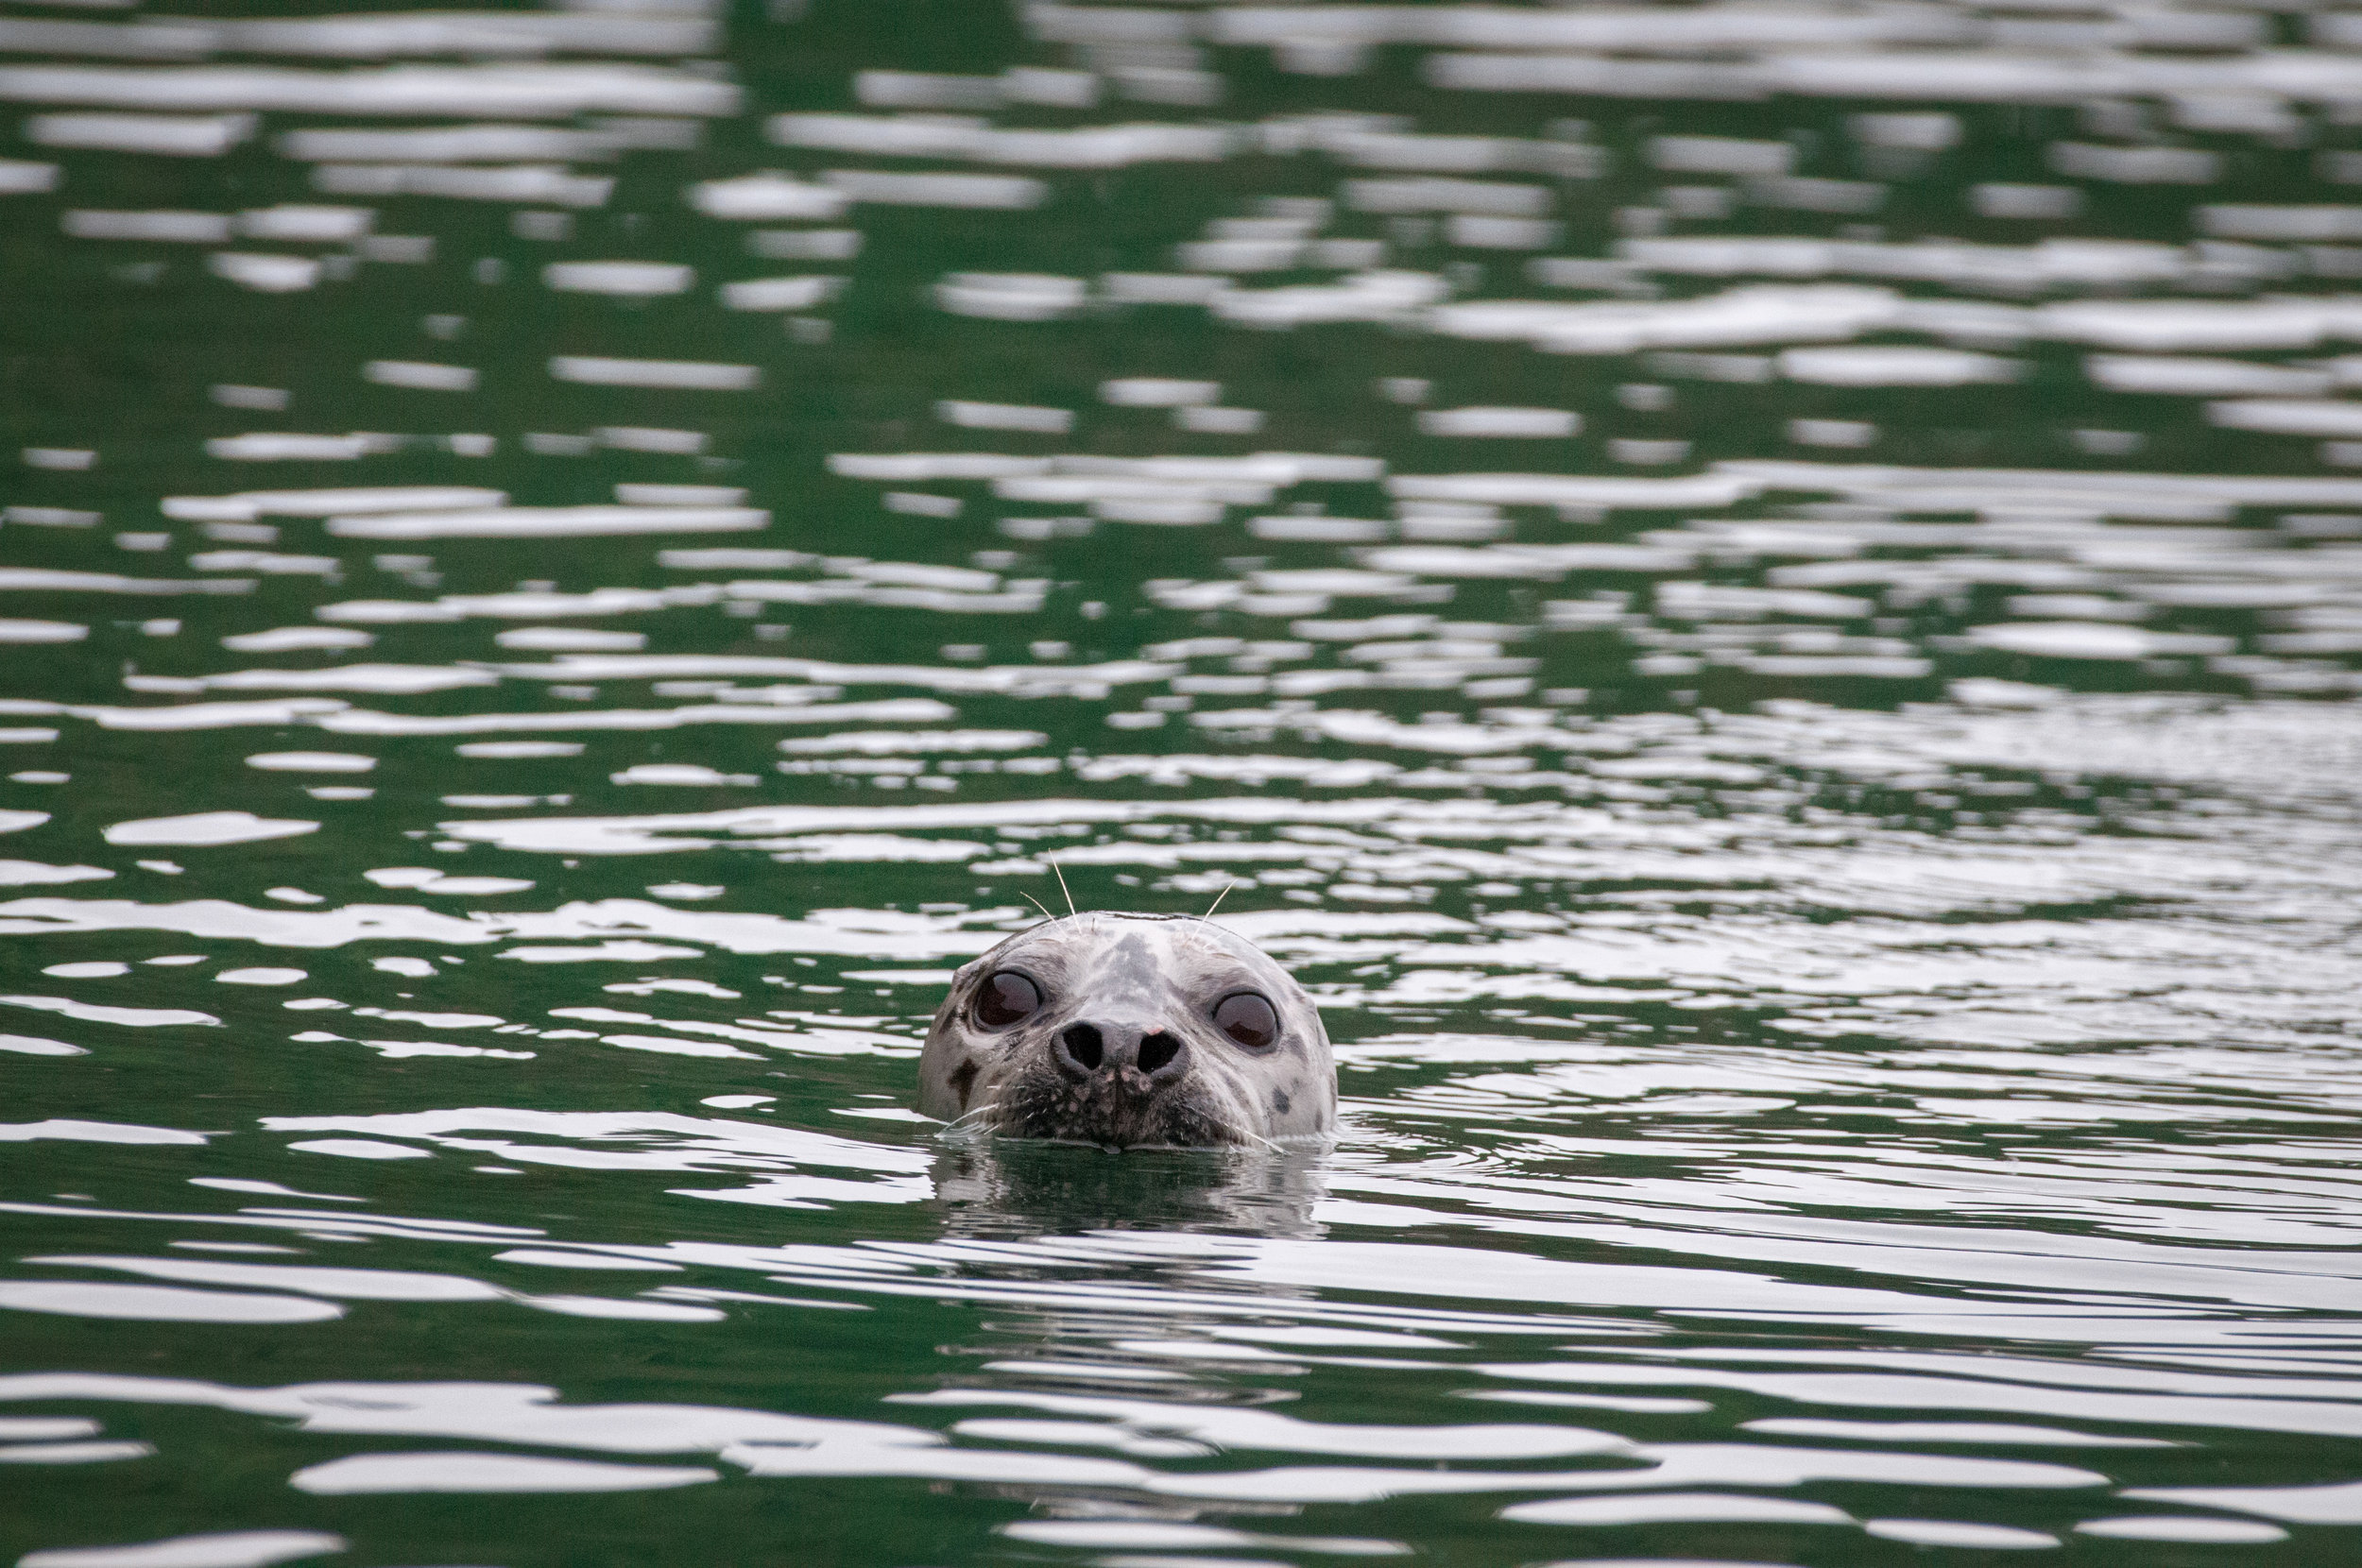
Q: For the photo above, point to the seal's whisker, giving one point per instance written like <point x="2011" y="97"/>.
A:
<point x="1197" y="931"/>
<point x="1062" y="887"/>
<point x="972" y="1111"/>
<point x="1038" y="904"/>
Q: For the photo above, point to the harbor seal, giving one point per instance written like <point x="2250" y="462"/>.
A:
<point x="1128" y="1031"/>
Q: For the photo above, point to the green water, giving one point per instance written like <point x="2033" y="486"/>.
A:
<point x="1763" y="605"/>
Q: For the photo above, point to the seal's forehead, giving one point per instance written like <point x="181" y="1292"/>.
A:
<point x="1142" y="946"/>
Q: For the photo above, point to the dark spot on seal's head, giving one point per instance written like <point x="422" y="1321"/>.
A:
<point x="1279" y="1101"/>
<point x="1132" y="962"/>
<point x="964" y="1082"/>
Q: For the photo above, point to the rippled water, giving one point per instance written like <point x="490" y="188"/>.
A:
<point x="1762" y="601"/>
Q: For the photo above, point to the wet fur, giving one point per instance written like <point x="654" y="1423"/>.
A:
<point x="1131" y="971"/>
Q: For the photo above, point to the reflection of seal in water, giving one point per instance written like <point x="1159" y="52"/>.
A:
<point x="1017" y="1189"/>
<point x="1126" y="1029"/>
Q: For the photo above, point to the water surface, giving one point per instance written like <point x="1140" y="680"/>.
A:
<point x="1763" y="601"/>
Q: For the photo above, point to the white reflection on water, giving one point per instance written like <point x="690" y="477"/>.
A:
<point x="366" y="1475"/>
<point x="228" y="1549"/>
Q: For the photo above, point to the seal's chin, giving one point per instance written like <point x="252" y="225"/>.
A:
<point x="1116" y="1112"/>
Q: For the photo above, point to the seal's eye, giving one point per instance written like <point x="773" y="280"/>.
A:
<point x="1004" y="998"/>
<point x="1248" y="1019"/>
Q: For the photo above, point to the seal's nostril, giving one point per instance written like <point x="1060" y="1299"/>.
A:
<point x="1083" y="1046"/>
<point x="1158" y="1050"/>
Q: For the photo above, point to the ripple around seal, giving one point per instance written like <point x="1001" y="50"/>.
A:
<point x="229" y="1549"/>
<point x="1948" y="1532"/>
<point x="2164" y="1526"/>
<point x="159" y="1304"/>
<point x="376" y="1475"/>
<point x="1669" y="1507"/>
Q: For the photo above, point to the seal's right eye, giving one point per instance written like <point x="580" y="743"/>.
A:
<point x="1005" y="997"/>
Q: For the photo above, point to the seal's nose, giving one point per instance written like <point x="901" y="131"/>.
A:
<point x="1085" y="1050"/>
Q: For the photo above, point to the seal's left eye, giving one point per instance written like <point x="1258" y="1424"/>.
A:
<point x="1248" y="1019"/>
<point x="1005" y="997"/>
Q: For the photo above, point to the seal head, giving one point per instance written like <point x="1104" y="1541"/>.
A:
<point x="1130" y="1030"/>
